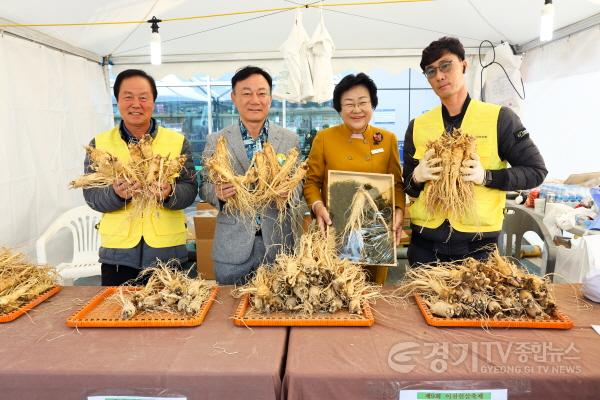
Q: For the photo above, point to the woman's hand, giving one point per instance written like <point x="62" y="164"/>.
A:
<point x="322" y="215"/>
<point x="398" y="220"/>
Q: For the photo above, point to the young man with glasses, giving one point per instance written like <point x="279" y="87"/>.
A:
<point x="501" y="140"/>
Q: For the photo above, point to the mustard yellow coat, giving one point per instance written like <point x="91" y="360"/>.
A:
<point x="334" y="149"/>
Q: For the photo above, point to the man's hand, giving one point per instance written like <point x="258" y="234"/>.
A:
<point x="225" y="191"/>
<point x="162" y="191"/>
<point x="398" y="220"/>
<point x="124" y="189"/>
<point x="284" y="195"/>
<point x="427" y="170"/>
<point x="322" y="215"/>
<point x="472" y="170"/>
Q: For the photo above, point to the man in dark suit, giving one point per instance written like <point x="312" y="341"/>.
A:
<point x="241" y="245"/>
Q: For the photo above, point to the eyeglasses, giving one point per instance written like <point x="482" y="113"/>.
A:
<point x="444" y="66"/>
<point x="363" y="105"/>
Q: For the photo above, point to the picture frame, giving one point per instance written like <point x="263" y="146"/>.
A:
<point x="361" y="207"/>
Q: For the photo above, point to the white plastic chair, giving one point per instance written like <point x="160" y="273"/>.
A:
<point x="81" y="221"/>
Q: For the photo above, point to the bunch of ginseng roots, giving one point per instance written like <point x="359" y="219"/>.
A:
<point x="450" y="195"/>
<point x="367" y="237"/>
<point x="312" y="279"/>
<point x="168" y="290"/>
<point x="21" y="281"/>
<point x="266" y="182"/>
<point x="144" y="167"/>
<point x="493" y="289"/>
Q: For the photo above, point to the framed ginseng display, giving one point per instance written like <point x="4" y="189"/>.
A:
<point x="361" y="206"/>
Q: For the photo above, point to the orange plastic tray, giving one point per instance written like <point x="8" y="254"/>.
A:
<point x="245" y="317"/>
<point x="102" y="311"/>
<point x="561" y="322"/>
<point x="11" y="316"/>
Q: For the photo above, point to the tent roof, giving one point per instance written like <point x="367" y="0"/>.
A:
<point x="410" y="25"/>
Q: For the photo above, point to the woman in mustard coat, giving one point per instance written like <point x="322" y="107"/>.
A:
<point x="354" y="146"/>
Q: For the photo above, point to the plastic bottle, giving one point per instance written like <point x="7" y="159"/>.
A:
<point x="543" y="190"/>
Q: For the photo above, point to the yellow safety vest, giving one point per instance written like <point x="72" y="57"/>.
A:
<point x="160" y="227"/>
<point x="481" y="121"/>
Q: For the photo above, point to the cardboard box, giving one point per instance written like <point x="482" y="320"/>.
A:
<point x="587" y="179"/>
<point x="204" y="225"/>
<point x="205" y="222"/>
<point x="204" y="262"/>
<point x="204" y="206"/>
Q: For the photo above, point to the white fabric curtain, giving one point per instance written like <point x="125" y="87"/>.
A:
<point x="575" y="55"/>
<point x="472" y="76"/>
<point x="560" y="110"/>
<point x="497" y="80"/>
<point x="52" y="105"/>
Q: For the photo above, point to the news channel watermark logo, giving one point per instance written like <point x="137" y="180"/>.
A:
<point x="492" y="357"/>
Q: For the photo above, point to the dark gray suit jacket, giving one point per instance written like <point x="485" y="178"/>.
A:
<point x="234" y="236"/>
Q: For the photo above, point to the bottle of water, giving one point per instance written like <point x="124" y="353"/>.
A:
<point x="560" y="195"/>
<point x="543" y="190"/>
<point x="572" y="199"/>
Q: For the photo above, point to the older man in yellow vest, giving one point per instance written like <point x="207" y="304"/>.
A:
<point x="131" y="242"/>
<point x="501" y="140"/>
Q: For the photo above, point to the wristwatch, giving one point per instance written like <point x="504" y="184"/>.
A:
<point x="487" y="177"/>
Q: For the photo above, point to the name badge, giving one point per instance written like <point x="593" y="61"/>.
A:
<point x="375" y="151"/>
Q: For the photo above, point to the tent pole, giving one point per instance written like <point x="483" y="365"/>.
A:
<point x="48" y="41"/>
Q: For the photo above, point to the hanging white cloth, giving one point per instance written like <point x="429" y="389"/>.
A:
<point x="496" y="87"/>
<point x="321" y="51"/>
<point x="295" y="82"/>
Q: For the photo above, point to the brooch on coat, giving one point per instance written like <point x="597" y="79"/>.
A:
<point x="281" y="158"/>
<point x="377" y="138"/>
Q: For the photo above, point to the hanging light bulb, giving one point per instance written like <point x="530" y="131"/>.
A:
<point x="155" y="43"/>
<point x="547" y="21"/>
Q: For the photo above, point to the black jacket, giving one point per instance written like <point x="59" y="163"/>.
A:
<point x="527" y="168"/>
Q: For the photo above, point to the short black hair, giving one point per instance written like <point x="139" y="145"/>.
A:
<point x="350" y="81"/>
<point x="130" y="73"/>
<point x="438" y="48"/>
<point x="247" y="71"/>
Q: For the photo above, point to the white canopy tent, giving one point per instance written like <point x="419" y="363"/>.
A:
<point x="358" y="31"/>
<point x="55" y="91"/>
